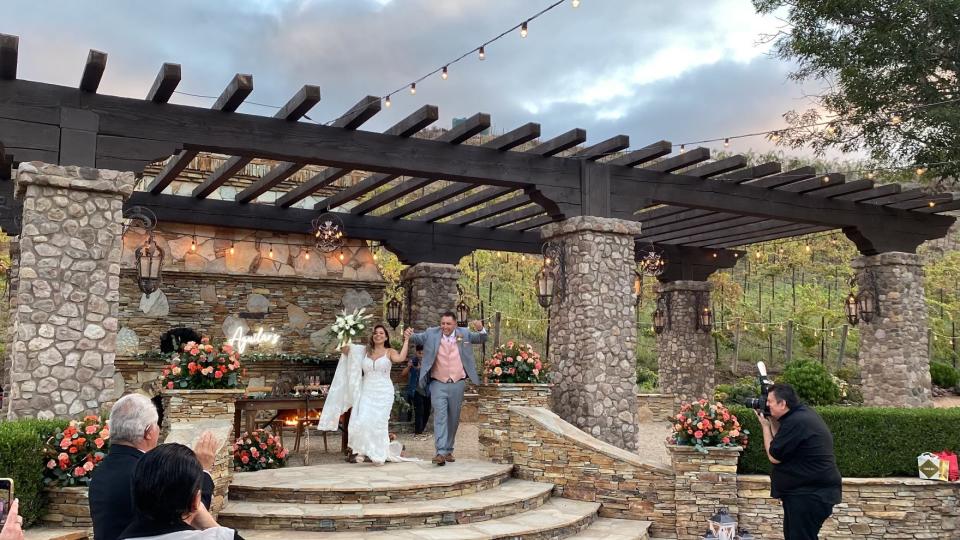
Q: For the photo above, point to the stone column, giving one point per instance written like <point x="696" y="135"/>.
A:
<point x="685" y="355"/>
<point x="65" y="322"/>
<point x="593" y="337"/>
<point x="894" y="366"/>
<point x="434" y="290"/>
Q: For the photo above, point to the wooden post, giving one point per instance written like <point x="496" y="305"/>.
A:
<point x="793" y="285"/>
<point x="736" y="348"/>
<point x="770" y="338"/>
<point x="760" y="296"/>
<point x="843" y="345"/>
<point x="823" y="328"/>
<point x="929" y="344"/>
<point x="953" y="341"/>
<point x="496" y="330"/>
<point x="789" y="347"/>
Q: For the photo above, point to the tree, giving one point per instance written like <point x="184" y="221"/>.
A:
<point x="890" y="69"/>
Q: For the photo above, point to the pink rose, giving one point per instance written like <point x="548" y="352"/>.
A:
<point x="79" y="471"/>
<point x="698" y="434"/>
<point x="244" y="459"/>
<point x="88" y="466"/>
<point x="92" y="429"/>
<point x="51" y="464"/>
<point x="170" y="385"/>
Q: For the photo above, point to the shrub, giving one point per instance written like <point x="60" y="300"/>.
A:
<point x="21" y="448"/>
<point x="72" y="454"/>
<point x="258" y="450"/>
<point x="647" y="380"/>
<point x="868" y="441"/>
<point x="944" y="375"/>
<point x="745" y="387"/>
<point x="812" y="381"/>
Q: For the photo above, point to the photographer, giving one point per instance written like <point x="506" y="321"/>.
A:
<point x="805" y="475"/>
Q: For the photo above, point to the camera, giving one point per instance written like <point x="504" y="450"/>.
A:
<point x="760" y="403"/>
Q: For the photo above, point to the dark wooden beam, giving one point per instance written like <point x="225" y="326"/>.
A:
<point x="685" y="220"/>
<point x="786" y="232"/>
<point x="909" y="195"/>
<point x="940" y="207"/>
<point x="560" y="143"/>
<point x="412" y="241"/>
<point x="694" y="264"/>
<point x="930" y="201"/>
<point x="875" y="193"/>
<point x="604" y="148"/>
<point x="232" y="96"/>
<point x="715" y="168"/>
<point x="491" y="210"/>
<point x="93" y="71"/>
<point x="844" y="189"/>
<point x="362" y="111"/>
<point x="643" y="155"/>
<point x="510" y="218"/>
<point x="481" y="196"/>
<point x="686" y="159"/>
<point x="750" y="232"/>
<point x="436" y="197"/>
<point x="165" y="84"/>
<point x="295" y="108"/>
<point x="529" y="224"/>
<point x="458" y="135"/>
<point x="717" y="225"/>
<point x="9" y="45"/>
<point x="813" y="184"/>
<point x="751" y="173"/>
<point x="782" y="179"/>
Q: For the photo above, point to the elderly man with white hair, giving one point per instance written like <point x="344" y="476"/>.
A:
<point x="133" y="432"/>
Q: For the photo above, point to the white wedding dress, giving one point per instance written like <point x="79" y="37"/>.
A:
<point x="371" y="398"/>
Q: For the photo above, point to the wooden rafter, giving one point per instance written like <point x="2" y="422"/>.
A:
<point x="165" y="84"/>
<point x="9" y="46"/>
<point x="509" y="218"/>
<point x="491" y="210"/>
<point x="643" y="155"/>
<point x="93" y="71"/>
<point x="603" y="148"/>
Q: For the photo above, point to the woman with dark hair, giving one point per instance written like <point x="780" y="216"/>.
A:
<point x="367" y="431"/>
<point x="166" y="496"/>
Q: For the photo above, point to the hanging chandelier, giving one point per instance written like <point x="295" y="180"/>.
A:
<point x="328" y="233"/>
<point x="651" y="261"/>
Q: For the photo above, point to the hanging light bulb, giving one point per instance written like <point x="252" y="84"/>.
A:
<point x="921" y="170"/>
<point x="726" y="142"/>
<point x="931" y="204"/>
<point x="523" y="29"/>
<point x="775" y="136"/>
<point x="575" y="3"/>
<point x="340" y="256"/>
<point x="895" y="119"/>
<point x="682" y="148"/>
<point x="870" y="175"/>
<point x="413" y="88"/>
<point x="482" y="53"/>
<point x="193" y="244"/>
<point x="306" y="255"/>
<point x="807" y="248"/>
<point x="386" y="102"/>
<point x="270" y="253"/>
<point x="444" y="74"/>
<point x="826" y="179"/>
<point x="232" y="250"/>
<point x="831" y="131"/>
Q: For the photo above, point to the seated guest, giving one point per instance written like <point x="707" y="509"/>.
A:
<point x="166" y="495"/>
<point x="133" y="432"/>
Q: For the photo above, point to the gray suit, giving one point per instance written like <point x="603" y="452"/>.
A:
<point x="446" y="397"/>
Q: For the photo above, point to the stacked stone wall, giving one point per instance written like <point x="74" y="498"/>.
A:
<point x="68" y="508"/>
<point x="66" y="318"/>
<point x="593" y="338"/>
<point x="493" y="414"/>
<point x="893" y="355"/>
<point x="685" y="355"/>
<point x="655" y="407"/>
<point x="704" y="483"/>
<point x="871" y="509"/>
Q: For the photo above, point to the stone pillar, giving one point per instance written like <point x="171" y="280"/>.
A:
<point x="65" y="322"/>
<point x="894" y="366"/>
<point x="685" y="355"/>
<point x="433" y="291"/>
<point x="704" y="483"/>
<point x="593" y="337"/>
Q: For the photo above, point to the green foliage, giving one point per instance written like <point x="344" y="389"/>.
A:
<point x="812" y="382"/>
<point x="648" y="381"/>
<point x="868" y="441"/>
<point x="21" y="458"/>
<point x="881" y="59"/>
<point x="745" y="387"/>
<point x="944" y="375"/>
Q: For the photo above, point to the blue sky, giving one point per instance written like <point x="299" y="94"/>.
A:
<point x="680" y="71"/>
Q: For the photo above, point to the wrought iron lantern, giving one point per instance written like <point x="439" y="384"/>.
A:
<point x="149" y="256"/>
<point x="394" y="308"/>
<point x="328" y="232"/>
<point x="868" y="300"/>
<point x="463" y="310"/>
<point x="661" y="315"/>
<point x="550" y="278"/>
<point x="704" y="320"/>
<point x="723" y="525"/>
<point x="850" y="309"/>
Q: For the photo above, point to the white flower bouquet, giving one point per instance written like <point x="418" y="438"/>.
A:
<point x="349" y="325"/>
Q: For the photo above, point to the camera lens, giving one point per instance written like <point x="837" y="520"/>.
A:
<point x="754" y="403"/>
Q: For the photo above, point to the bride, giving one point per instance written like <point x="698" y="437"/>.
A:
<point x="370" y="396"/>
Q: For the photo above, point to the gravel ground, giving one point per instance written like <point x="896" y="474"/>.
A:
<point x="946" y="402"/>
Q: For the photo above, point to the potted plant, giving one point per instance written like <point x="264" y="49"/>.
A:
<point x="514" y="375"/>
<point x="71" y="458"/>
<point x="258" y="450"/>
<point x="201" y="378"/>
<point x="704" y="425"/>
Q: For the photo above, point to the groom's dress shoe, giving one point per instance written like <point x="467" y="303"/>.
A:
<point x="439" y="460"/>
<point x="449" y="458"/>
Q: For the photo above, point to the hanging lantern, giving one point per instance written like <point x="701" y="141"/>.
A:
<point x="394" y="308"/>
<point x="328" y="233"/>
<point x="545" y="287"/>
<point x="637" y="288"/>
<point x="149" y="262"/>
<point x="661" y="315"/>
<point x="866" y="305"/>
<point x="705" y="319"/>
<point x="463" y="313"/>
<point x="723" y="525"/>
<point x="850" y="309"/>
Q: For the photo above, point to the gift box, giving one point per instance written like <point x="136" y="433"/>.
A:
<point x="928" y="465"/>
<point x="948" y="466"/>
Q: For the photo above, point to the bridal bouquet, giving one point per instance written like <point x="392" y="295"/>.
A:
<point x="349" y="325"/>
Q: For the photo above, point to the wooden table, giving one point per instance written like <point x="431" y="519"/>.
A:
<point x="303" y="403"/>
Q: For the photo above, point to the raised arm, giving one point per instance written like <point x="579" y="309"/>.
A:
<point x="480" y="336"/>
<point x="397" y="357"/>
<point x="418" y="338"/>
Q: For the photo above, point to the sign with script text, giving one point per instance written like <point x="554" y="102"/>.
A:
<point x="240" y="341"/>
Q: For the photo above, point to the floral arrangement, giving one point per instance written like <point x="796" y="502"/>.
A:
<point x="349" y="325"/>
<point x="258" y="450"/>
<point x="702" y="424"/>
<point x="72" y="454"/>
<point x="515" y="362"/>
<point x="202" y="366"/>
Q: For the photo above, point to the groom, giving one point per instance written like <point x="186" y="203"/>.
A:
<point x="447" y="362"/>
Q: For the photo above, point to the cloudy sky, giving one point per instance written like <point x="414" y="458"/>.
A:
<point x="681" y="71"/>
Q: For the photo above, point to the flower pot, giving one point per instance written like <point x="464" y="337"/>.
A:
<point x="493" y="415"/>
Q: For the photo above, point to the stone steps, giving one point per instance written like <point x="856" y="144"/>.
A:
<point x="615" y="529"/>
<point x="366" y="483"/>
<point x="557" y="518"/>
<point x="510" y="498"/>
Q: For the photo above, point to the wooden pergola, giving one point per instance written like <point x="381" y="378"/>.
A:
<point x="437" y="200"/>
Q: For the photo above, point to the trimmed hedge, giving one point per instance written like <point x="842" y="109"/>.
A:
<point x="944" y="375"/>
<point x="21" y="458"/>
<point x="868" y="441"/>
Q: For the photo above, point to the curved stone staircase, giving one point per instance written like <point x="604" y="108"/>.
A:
<point x="465" y="500"/>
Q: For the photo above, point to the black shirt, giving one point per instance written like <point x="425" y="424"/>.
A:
<point x="804" y="447"/>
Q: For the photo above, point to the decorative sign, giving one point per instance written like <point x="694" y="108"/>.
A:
<point x="239" y="341"/>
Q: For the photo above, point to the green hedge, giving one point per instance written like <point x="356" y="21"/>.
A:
<point x="868" y="441"/>
<point x="21" y="458"/>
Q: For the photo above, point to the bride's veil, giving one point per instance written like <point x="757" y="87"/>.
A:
<point x="344" y="389"/>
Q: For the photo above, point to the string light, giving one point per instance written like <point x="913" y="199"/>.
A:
<point x="386" y="102"/>
<point x="523" y="30"/>
<point x="682" y="148"/>
<point x="444" y="74"/>
<point x="482" y="53"/>
<point x="232" y="250"/>
<point x="726" y="142"/>
<point x="826" y="179"/>
<point x="413" y="88"/>
<point x="270" y="253"/>
<point x="306" y="255"/>
<point x="576" y="3"/>
<point x="341" y="256"/>
<point x="921" y="170"/>
<point x="193" y="244"/>
<point x="931" y="204"/>
<point x="895" y="119"/>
